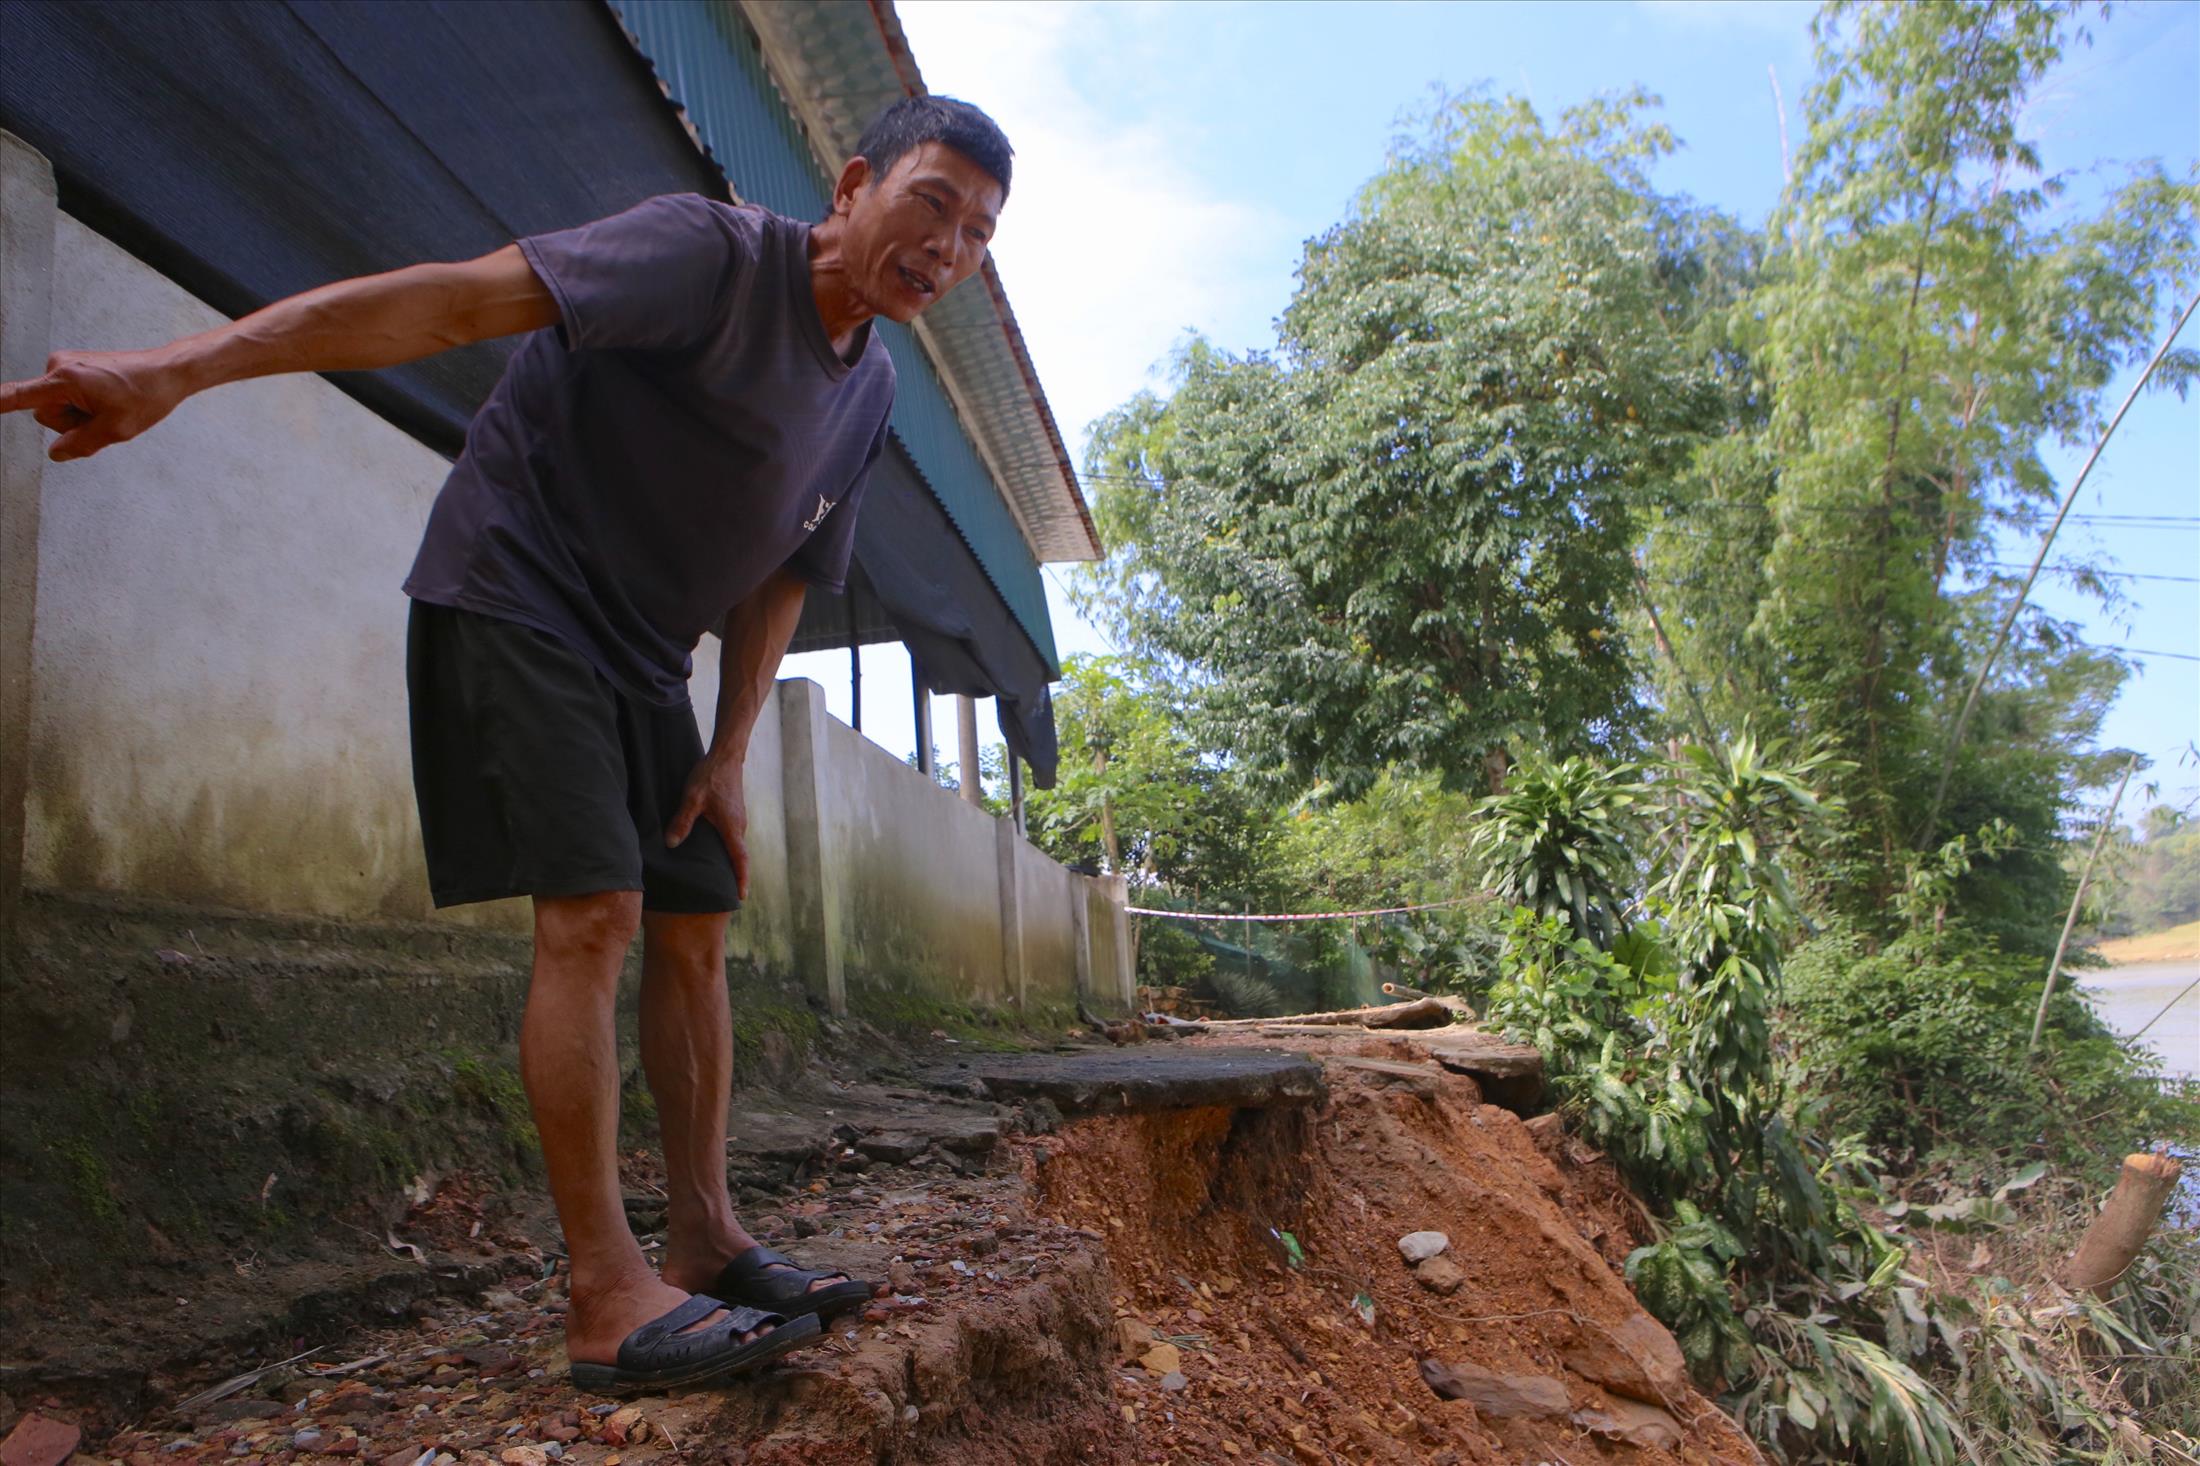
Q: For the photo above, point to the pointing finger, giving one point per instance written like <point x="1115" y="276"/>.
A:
<point x="32" y="392"/>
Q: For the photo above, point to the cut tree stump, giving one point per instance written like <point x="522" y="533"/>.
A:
<point x="2122" y="1228"/>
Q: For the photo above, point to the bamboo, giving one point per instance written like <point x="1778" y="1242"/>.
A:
<point x="2001" y="636"/>
<point x="2054" y="967"/>
<point x="2121" y="1230"/>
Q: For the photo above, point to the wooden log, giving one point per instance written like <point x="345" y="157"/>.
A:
<point x="2122" y="1228"/>
<point x="1403" y="993"/>
<point x="1421" y="1013"/>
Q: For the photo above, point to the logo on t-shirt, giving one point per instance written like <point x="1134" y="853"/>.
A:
<point x="824" y="507"/>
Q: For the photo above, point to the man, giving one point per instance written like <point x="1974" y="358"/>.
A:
<point x="680" y="445"/>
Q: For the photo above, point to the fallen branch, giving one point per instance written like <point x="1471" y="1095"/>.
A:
<point x="1404" y="993"/>
<point x="243" y="1381"/>
<point x="1420" y="1013"/>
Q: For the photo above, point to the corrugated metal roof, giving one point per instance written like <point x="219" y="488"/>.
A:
<point x="840" y="63"/>
<point x="713" y="63"/>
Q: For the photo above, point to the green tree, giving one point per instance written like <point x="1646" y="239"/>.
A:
<point x="1405" y="538"/>
<point x="1137" y="795"/>
<point x="1932" y="311"/>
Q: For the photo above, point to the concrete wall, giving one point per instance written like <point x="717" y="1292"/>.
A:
<point x="203" y="696"/>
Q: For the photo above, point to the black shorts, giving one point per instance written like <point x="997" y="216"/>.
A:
<point x="537" y="777"/>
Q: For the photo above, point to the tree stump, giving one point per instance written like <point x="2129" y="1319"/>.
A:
<point x="2122" y="1228"/>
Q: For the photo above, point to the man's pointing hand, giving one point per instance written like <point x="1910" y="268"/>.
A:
<point x="96" y="398"/>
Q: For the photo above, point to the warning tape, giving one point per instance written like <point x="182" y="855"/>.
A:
<point x="1298" y="916"/>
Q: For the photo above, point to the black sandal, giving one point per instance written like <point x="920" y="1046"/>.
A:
<point x="658" y="1356"/>
<point x="762" y="1278"/>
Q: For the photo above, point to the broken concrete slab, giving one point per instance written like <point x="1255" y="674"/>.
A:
<point x="1509" y="1074"/>
<point x="1138" y="1080"/>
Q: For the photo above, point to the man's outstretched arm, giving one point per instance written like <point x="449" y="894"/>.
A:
<point x="97" y="398"/>
<point x="755" y="638"/>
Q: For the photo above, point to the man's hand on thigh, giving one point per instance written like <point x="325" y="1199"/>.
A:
<point x="714" y="793"/>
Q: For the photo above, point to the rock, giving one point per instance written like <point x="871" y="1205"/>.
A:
<point x="347" y="1446"/>
<point x="1132" y="1338"/>
<point x="39" y="1441"/>
<point x="1161" y="1358"/>
<point x="402" y="1456"/>
<point x="1633" y="1422"/>
<point x="1441" y="1276"/>
<point x="893" y="1148"/>
<point x="1419" y="1247"/>
<point x="502" y="1300"/>
<point x="1547" y="1131"/>
<point x="524" y="1456"/>
<point x="1530" y="1396"/>
<point x="807" y="1226"/>
<point x="622" y="1426"/>
<point x="902" y="1278"/>
<point x="232" y="1410"/>
<point x="1173" y="1381"/>
<point x="1637" y="1359"/>
<point x="308" y="1439"/>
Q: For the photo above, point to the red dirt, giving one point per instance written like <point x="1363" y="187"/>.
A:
<point x="1275" y="1357"/>
<point x="1017" y="1285"/>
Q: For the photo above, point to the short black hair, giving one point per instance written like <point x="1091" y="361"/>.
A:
<point x="914" y="121"/>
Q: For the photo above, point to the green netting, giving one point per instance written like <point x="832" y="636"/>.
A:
<point x="1258" y="969"/>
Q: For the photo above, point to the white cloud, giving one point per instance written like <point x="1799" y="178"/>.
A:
<point x="1111" y="247"/>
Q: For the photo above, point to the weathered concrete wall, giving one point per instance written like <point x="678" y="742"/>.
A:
<point x="920" y="910"/>
<point x="1051" y="901"/>
<point x="212" y="700"/>
<point x="218" y="711"/>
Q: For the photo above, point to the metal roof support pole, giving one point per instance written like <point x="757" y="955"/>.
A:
<point x="1016" y="794"/>
<point x="855" y="669"/>
<point x="922" y="697"/>
<point x="966" y="748"/>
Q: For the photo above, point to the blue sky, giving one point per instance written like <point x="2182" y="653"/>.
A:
<point x="1172" y="159"/>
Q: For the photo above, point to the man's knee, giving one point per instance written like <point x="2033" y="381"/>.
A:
<point x="685" y="945"/>
<point x="600" y="925"/>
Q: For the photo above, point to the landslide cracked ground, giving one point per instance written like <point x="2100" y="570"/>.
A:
<point x="1118" y="1290"/>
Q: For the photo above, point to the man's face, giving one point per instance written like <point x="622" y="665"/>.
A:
<point x="920" y="231"/>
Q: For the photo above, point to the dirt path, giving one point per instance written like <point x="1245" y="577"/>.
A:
<point x="1196" y="1285"/>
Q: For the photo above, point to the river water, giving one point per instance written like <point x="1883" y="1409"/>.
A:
<point x="2128" y="997"/>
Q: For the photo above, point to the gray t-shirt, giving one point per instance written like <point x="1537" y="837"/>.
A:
<point x="646" y="466"/>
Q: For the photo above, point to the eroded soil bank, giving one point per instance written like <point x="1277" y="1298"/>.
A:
<point x="1194" y="1285"/>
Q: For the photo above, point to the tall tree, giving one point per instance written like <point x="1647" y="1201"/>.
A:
<point x="1404" y="538"/>
<point x="1932" y="312"/>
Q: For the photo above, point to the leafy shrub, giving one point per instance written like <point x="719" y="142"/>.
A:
<point x="1922" y="1048"/>
<point x="1238" y="993"/>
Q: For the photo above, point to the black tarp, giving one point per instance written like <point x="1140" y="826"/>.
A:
<point x="250" y="149"/>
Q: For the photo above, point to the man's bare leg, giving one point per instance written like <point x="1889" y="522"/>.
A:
<point x="569" y="1061"/>
<point x="687" y="1054"/>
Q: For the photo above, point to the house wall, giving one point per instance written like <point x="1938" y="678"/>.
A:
<point x="204" y="697"/>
